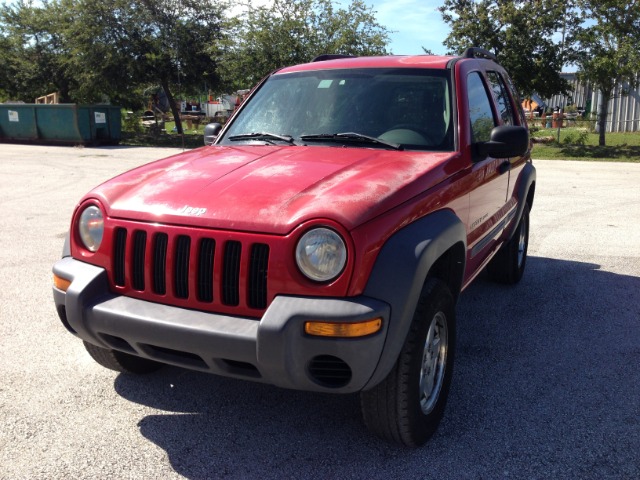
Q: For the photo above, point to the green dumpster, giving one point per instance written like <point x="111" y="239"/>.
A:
<point x="62" y="123"/>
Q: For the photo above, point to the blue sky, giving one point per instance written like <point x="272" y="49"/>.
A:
<point x="415" y="24"/>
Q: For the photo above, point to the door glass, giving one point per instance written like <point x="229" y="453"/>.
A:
<point x="480" y="112"/>
<point x="502" y="98"/>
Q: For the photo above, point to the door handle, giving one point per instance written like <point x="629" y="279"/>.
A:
<point x="504" y="167"/>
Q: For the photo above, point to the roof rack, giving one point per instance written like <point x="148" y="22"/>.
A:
<point x="475" y="52"/>
<point x="331" y="56"/>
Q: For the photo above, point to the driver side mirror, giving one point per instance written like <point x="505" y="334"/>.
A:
<point x="211" y="132"/>
<point x="506" y="141"/>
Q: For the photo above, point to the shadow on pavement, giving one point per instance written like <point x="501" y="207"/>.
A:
<point x="546" y="380"/>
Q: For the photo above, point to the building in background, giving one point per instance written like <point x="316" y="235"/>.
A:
<point x="624" y="106"/>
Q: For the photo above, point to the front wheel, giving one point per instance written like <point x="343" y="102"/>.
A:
<point x="407" y="406"/>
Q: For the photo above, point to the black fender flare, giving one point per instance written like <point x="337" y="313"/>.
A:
<point x="400" y="271"/>
<point x="526" y="184"/>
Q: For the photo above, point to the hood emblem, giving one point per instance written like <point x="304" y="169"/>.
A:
<point x="195" y="211"/>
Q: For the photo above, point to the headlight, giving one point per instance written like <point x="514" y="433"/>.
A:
<point x="91" y="228"/>
<point x="321" y="254"/>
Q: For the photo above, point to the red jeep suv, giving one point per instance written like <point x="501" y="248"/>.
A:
<point x="321" y="241"/>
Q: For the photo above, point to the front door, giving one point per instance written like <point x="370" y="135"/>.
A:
<point x="487" y="208"/>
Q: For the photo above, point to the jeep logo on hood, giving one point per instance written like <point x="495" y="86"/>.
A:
<point x="195" y="211"/>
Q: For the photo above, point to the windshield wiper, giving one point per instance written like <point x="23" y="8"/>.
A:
<point x="266" y="136"/>
<point x="349" y="137"/>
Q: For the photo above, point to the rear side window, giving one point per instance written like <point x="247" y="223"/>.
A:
<point x="480" y="111"/>
<point x="516" y="98"/>
<point x="505" y="109"/>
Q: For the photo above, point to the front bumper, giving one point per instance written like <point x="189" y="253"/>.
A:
<point x="274" y="349"/>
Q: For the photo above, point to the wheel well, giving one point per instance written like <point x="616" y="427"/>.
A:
<point x="449" y="268"/>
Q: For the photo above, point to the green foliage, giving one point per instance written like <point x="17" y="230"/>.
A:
<point x="579" y="144"/>
<point x="89" y="49"/>
<point x="521" y="33"/>
<point x="32" y="51"/>
<point x="131" y="122"/>
<point x="295" y="31"/>
<point x="608" y="49"/>
<point x="578" y="137"/>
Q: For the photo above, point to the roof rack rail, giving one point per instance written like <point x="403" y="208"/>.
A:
<point x="331" y="56"/>
<point x="475" y="52"/>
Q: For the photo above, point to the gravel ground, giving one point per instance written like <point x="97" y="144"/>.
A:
<point x="547" y="381"/>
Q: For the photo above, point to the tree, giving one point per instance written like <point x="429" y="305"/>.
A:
<point x="89" y="49"/>
<point x="609" y="49"/>
<point x="32" y="53"/>
<point x="295" y="31"/>
<point x="521" y="34"/>
<point x="126" y="43"/>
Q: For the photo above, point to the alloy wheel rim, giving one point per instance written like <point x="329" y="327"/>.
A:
<point x="434" y="360"/>
<point x="522" y="242"/>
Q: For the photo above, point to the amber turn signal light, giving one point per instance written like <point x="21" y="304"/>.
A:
<point x="61" y="283"/>
<point x="343" y="329"/>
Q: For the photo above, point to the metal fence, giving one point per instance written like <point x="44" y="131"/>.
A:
<point x="624" y="106"/>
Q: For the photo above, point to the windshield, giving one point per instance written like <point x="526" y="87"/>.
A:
<point x="410" y="108"/>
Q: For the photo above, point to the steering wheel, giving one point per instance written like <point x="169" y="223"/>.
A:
<point x="415" y="135"/>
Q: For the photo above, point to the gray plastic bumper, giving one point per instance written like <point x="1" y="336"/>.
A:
<point x="274" y="349"/>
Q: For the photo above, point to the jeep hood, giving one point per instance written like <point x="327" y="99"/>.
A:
<point x="270" y="189"/>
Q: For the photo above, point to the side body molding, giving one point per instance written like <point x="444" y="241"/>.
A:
<point x="400" y="272"/>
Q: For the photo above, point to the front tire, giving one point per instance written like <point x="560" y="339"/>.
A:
<point x="407" y="406"/>
<point x="120" y="361"/>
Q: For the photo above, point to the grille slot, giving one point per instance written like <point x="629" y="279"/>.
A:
<point x="119" y="250"/>
<point x="181" y="266"/>
<point x="160" y="263"/>
<point x="139" y="246"/>
<point x="205" y="269"/>
<point x="258" y="275"/>
<point x="231" y="278"/>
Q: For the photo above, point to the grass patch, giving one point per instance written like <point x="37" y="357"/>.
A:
<point x="192" y="138"/>
<point x="579" y="144"/>
<point x="162" y="140"/>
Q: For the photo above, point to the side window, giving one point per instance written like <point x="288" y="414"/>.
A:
<point x="480" y="112"/>
<point x="502" y="98"/>
<point x="516" y="98"/>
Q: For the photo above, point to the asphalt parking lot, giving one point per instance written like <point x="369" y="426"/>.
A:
<point x="547" y="381"/>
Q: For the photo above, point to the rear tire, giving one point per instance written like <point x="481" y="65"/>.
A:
<point x="120" y="361"/>
<point x="508" y="265"/>
<point x="407" y="406"/>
